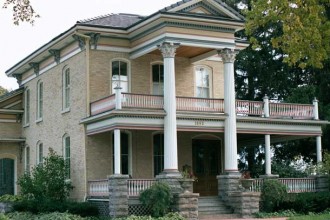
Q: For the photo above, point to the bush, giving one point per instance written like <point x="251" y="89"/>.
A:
<point x="272" y="194"/>
<point x="168" y="216"/>
<point x="10" y="198"/>
<point x="158" y="197"/>
<point x="82" y="209"/>
<point x="47" y="181"/>
<point x="44" y="216"/>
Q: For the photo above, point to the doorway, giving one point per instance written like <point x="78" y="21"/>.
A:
<point x="206" y="166"/>
<point x="6" y="176"/>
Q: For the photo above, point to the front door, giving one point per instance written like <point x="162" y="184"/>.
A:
<point x="6" y="176"/>
<point x="206" y="166"/>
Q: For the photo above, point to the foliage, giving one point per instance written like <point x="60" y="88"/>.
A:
<point x="287" y="171"/>
<point x="10" y="198"/>
<point x="272" y="194"/>
<point x="285" y="213"/>
<point x="311" y="217"/>
<point x="168" y="216"/>
<point x="43" y="216"/>
<point x="3" y="217"/>
<point x="158" y="197"/>
<point x="47" y="181"/>
<point x="305" y="203"/>
<point x="3" y="91"/>
<point x="82" y="209"/>
<point x="304" y="25"/>
<point x="22" y="11"/>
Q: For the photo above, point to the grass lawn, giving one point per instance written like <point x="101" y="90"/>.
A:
<point x="311" y="217"/>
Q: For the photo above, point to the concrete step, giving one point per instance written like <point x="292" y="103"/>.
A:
<point x="211" y="206"/>
<point x="218" y="217"/>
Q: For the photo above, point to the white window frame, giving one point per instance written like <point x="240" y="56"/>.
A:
<point x="66" y="90"/>
<point x="27" y="107"/>
<point x="40" y="94"/>
<point x="27" y="159"/>
<point x="160" y="85"/>
<point x="210" y="87"/>
<point x="39" y="153"/>
<point x="67" y="154"/>
<point x="112" y="89"/>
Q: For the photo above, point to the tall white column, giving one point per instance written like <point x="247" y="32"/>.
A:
<point x="316" y="109"/>
<point x="118" y="97"/>
<point x="268" y="161"/>
<point x="170" y="134"/>
<point x="117" y="168"/>
<point x="266" y="106"/>
<point x="318" y="149"/>
<point x="228" y="58"/>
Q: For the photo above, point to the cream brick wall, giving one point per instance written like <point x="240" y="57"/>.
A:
<point x="55" y="123"/>
<point x="10" y="130"/>
<point x="12" y="151"/>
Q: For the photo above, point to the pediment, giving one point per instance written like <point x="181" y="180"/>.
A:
<point x="207" y="7"/>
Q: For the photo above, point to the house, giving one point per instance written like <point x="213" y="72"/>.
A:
<point x="143" y="96"/>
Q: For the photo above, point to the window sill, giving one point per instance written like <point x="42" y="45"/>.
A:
<point x="39" y="120"/>
<point x="65" y="111"/>
<point x="26" y="125"/>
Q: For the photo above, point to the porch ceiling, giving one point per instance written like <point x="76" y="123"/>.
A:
<point x="187" y="51"/>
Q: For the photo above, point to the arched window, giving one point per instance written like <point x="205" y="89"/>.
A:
<point x="40" y="153"/>
<point x="27" y="107"/>
<point x="125" y="151"/>
<point x="27" y="159"/>
<point x="158" y="153"/>
<point x="66" y="81"/>
<point x="120" y="75"/>
<point x="39" y="100"/>
<point x="67" y="154"/>
<point x="158" y="79"/>
<point x="203" y="83"/>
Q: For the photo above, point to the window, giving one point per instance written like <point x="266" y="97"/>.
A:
<point x="66" y="153"/>
<point x="119" y="75"/>
<point x="27" y="107"/>
<point x="27" y="159"/>
<point x="39" y="100"/>
<point x="158" y="145"/>
<point x="125" y="149"/>
<point x="158" y="79"/>
<point x="66" y="89"/>
<point x="203" y="79"/>
<point x="40" y="153"/>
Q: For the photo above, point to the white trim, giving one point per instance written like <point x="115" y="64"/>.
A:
<point x="13" y="157"/>
<point x="29" y="79"/>
<point x="45" y="69"/>
<point x="71" y="54"/>
<point x="27" y="167"/>
<point x="114" y="49"/>
<point x="12" y="104"/>
<point x="39" y="143"/>
<point x="11" y="111"/>
<point x="8" y="120"/>
<point x="184" y="5"/>
<point x="204" y="56"/>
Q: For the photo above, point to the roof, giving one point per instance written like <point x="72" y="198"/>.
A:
<point x="113" y="20"/>
<point x="11" y="94"/>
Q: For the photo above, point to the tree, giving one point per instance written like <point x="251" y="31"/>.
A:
<point x="22" y="11"/>
<point x="47" y="181"/>
<point x="3" y="91"/>
<point x="305" y="26"/>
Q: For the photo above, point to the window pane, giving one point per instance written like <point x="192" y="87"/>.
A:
<point x="115" y="68"/>
<point x="158" y="142"/>
<point x="40" y="153"/>
<point x="123" y="68"/>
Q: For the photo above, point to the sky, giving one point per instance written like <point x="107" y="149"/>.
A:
<point x="57" y="16"/>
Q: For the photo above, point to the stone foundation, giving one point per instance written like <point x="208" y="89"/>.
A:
<point x="118" y="199"/>
<point x="227" y="184"/>
<point x="322" y="183"/>
<point x="187" y="205"/>
<point x="245" y="203"/>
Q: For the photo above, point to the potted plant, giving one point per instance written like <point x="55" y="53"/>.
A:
<point x="188" y="178"/>
<point x="246" y="180"/>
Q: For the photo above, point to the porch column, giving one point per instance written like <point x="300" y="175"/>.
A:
<point x="117" y="169"/>
<point x="170" y="134"/>
<point x="318" y="149"/>
<point x="267" y="155"/>
<point x="228" y="58"/>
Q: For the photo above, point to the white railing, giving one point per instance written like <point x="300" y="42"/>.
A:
<point x="98" y="188"/>
<point x="246" y="108"/>
<point x="130" y="100"/>
<point x="297" y="111"/>
<point x="293" y="185"/>
<point x="199" y="104"/>
<point x="103" y="105"/>
<point x="298" y="185"/>
<point x="135" y="186"/>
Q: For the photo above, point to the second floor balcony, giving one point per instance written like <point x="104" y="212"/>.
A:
<point x="244" y="108"/>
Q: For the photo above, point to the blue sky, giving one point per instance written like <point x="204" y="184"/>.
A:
<point x="56" y="17"/>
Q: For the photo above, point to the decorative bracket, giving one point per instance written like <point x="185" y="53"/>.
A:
<point x="18" y="77"/>
<point x="56" y="54"/>
<point x="94" y="39"/>
<point x="81" y="41"/>
<point x="35" y="67"/>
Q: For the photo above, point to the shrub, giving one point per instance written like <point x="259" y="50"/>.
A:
<point x="272" y="194"/>
<point x="10" y="198"/>
<point x="47" y="181"/>
<point x="168" y="216"/>
<point x="44" y="216"/>
<point x="158" y="197"/>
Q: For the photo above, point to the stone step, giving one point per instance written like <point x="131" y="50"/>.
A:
<point x="218" y="217"/>
<point x="212" y="206"/>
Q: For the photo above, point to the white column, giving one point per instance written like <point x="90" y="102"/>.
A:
<point x="318" y="149"/>
<point x="267" y="155"/>
<point x="118" y="97"/>
<point x="316" y="109"/>
<point x="266" y="106"/>
<point x="228" y="58"/>
<point x="170" y="133"/>
<point x="117" y="168"/>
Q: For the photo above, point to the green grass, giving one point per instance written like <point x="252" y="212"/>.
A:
<point x="311" y="217"/>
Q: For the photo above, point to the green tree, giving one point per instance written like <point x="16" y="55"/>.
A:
<point x="22" y="11"/>
<point x="304" y="25"/>
<point x="47" y="181"/>
<point x="3" y="91"/>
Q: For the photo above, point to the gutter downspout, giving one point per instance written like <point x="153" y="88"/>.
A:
<point x="87" y="46"/>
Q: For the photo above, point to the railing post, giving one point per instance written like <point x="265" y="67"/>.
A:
<point x="118" y="97"/>
<point x="316" y="109"/>
<point x="266" y="106"/>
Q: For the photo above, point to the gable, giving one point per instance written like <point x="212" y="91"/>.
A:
<point x="208" y="7"/>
